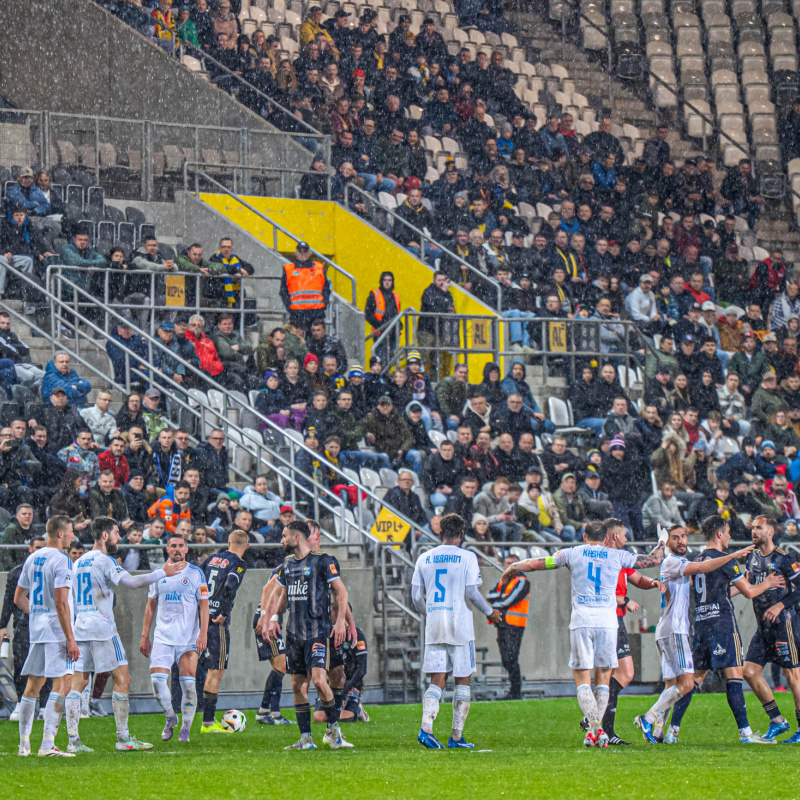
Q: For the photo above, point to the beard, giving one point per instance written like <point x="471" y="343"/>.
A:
<point x="112" y="549"/>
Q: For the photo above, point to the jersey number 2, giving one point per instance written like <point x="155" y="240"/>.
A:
<point x="37" y="588"/>
<point x="594" y="576"/>
<point x="438" y="597"/>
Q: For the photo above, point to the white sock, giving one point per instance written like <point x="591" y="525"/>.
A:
<point x="589" y="706"/>
<point x="189" y="701"/>
<point x="430" y="707"/>
<point x="461" y="698"/>
<point x="601" y="698"/>
<point x="122" y="708"/>
<point x="27" y="710"/>
<point x="666" y="700"/>
<point x="161" y="691"/>
<point x="52" y="719"/>
<point x="748" y="731"/>
<point x="72" y="707"/>
<point x="85" y="695"/>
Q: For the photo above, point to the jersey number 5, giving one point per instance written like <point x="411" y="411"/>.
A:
<point x="594" y="576"/>
<point x="438" y="597"/>
<point x="212" y="580"/>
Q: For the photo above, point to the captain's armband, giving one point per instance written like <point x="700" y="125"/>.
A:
<point x="549" y="562"/>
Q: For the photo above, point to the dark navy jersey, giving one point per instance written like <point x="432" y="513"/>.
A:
<point x="308" y="594"/>
<point x="712" y="593"/>
<point x="760" y="567"/>
<point x="355" y="658"/>
<point x="224" y="572"/>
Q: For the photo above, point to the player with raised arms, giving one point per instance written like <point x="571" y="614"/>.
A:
<point x="44" y="592"/>
<point x="444" y="579"/>
<point x="776" y="635"/>
<point x="717" y="644"/>
<point x="672" y="631"/>
<point x="179" y="606"/>
<point x="96" y="574"/>
<point x="224" y="573"/>
<point x="593" y="624"/>
<point x="307" y="583"/>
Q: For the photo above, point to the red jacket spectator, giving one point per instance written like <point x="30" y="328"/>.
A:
<point x="206" y="351"/>
<point x="119" y="466"/>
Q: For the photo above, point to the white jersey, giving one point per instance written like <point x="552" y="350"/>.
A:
<point x="178" y="617"/>
<point x="445" y="573"/>
<point x="45" y="571"/>
<point x="96" y="575"/>
<point x="675" y="601"/>
<point x="595" y="570"/>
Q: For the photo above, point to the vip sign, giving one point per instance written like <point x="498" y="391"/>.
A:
<point x="389" y="527"/>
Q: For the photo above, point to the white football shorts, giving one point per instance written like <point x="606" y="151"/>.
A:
<point x="676" y="656"/>
<point x="48" y="660"/>
<point x="165" y="655"/>
<point x="593" y="647"/>
<point x="456" y="658"/>
<point x="101" y="656"/>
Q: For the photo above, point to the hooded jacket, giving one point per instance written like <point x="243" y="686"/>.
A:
<point x="206" y="351"/>
<point x="77" y="388"/>
<point x="391" y="307"/>
<point x="263" y="508"/>
<point x="493" y="392"/>
<point x="510" y="385"/>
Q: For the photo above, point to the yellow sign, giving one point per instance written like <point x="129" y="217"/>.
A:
<point x="389" y="527"/>
<point x="176" y="290"/>
<point x="558" y="336"/>
<point x="481" y="334"/>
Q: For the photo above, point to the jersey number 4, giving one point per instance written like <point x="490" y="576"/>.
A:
<point x="438" y="597"/>
<point x="84" y="593"/>
<point x="594" y="576"/>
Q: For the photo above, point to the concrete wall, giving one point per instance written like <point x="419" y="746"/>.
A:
<point x="74" y="57"/>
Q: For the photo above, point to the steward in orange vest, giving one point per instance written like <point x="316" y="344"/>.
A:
<point x="383" y="304"/>
<point x="173" y="506"/>
<point x="511" y="597"/>
<point x="305" y="288"/>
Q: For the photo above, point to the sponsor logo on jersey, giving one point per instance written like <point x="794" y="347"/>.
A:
<point x="173" y="597"/>
<point x="297" y="589"/>
<point x="333" y="569"/>
<point x="719" y="650"/>
<point x="239" y="569"/>
<point x="795" y="567"/>
<point x="361" y="645"/>
<point x="204" y="591"/>
<point x="736" y="568"/>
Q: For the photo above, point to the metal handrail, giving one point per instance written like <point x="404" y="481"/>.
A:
<point x="244" y="439"/>
<point x="423" y="237"/>
<point x="279" y="228"/>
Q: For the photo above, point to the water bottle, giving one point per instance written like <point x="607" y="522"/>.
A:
<point x="643" y="622"/>
<point x="5" y="647"/>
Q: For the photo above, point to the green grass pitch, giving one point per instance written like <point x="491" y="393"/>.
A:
<point x="535" y="752"/>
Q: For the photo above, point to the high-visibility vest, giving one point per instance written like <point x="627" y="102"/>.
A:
<point x="516" y="615"/>
<point x="380" y="304"/>
<point x="305" y="286"/>
<point x="170" y="512"/>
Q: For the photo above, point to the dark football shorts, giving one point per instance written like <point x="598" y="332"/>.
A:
<point x="716" y="648"/>
<point x="268" y="650"/>
<point x="776" y="642"/>
<point x="303" y="655"/>
<point x="623" y="647"/>
<point x="337" y="656"/>
<point x="217" y="647"/>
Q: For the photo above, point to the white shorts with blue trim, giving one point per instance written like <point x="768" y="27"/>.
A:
<point x="163" y="656"/>
<point x="676" y="656"/>
<point x="101" y="656"/>
<point x="456" y="658"/>
<point x="48" y="660"/>
<point x="593" y="647"/>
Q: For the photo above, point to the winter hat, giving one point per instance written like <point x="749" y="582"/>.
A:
<point x="617" y="444"/>
<point x="309" y="357"/>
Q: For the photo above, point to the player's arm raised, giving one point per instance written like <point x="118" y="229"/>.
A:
<point x="149" y="615"/>
<point x="529" y="565"/>
<point x="339" y="592"/>
<point x="61" y="595"/>
<point x="701" y="567"/>
<point x="645" y="583"/>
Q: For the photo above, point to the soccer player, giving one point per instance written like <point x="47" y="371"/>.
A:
<point x="776" y="636"/>
<point x="717" y="644"/>
<point x="224" y="573"/>
<point x="96" y="574"/>
<point x="307" y="581"/>
<point x="179" y="606"/>
<point x="593" y="625"/>
<point x="616" y="536"/>
<point x="449" y="576"/>
<point x="44" y="592"/>
<point x="672" y="631"/>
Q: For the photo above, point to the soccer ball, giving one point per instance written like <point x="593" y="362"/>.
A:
<point x="235" y="720"/>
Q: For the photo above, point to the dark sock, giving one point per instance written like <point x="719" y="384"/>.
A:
<point x="735" y="693"/>
<point x="331" y="711"/>
<point x="276" y="676"/>
<point x="303" y="715"/>
<point x="338" y="697"/>
<point x="797" y="716"/>
<point x="209" y="707"/>
<point x="679" y="709"/>
<point x="266" y="698"/>
<point x="772" y="709"/>
<point x="614" y="688"/>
